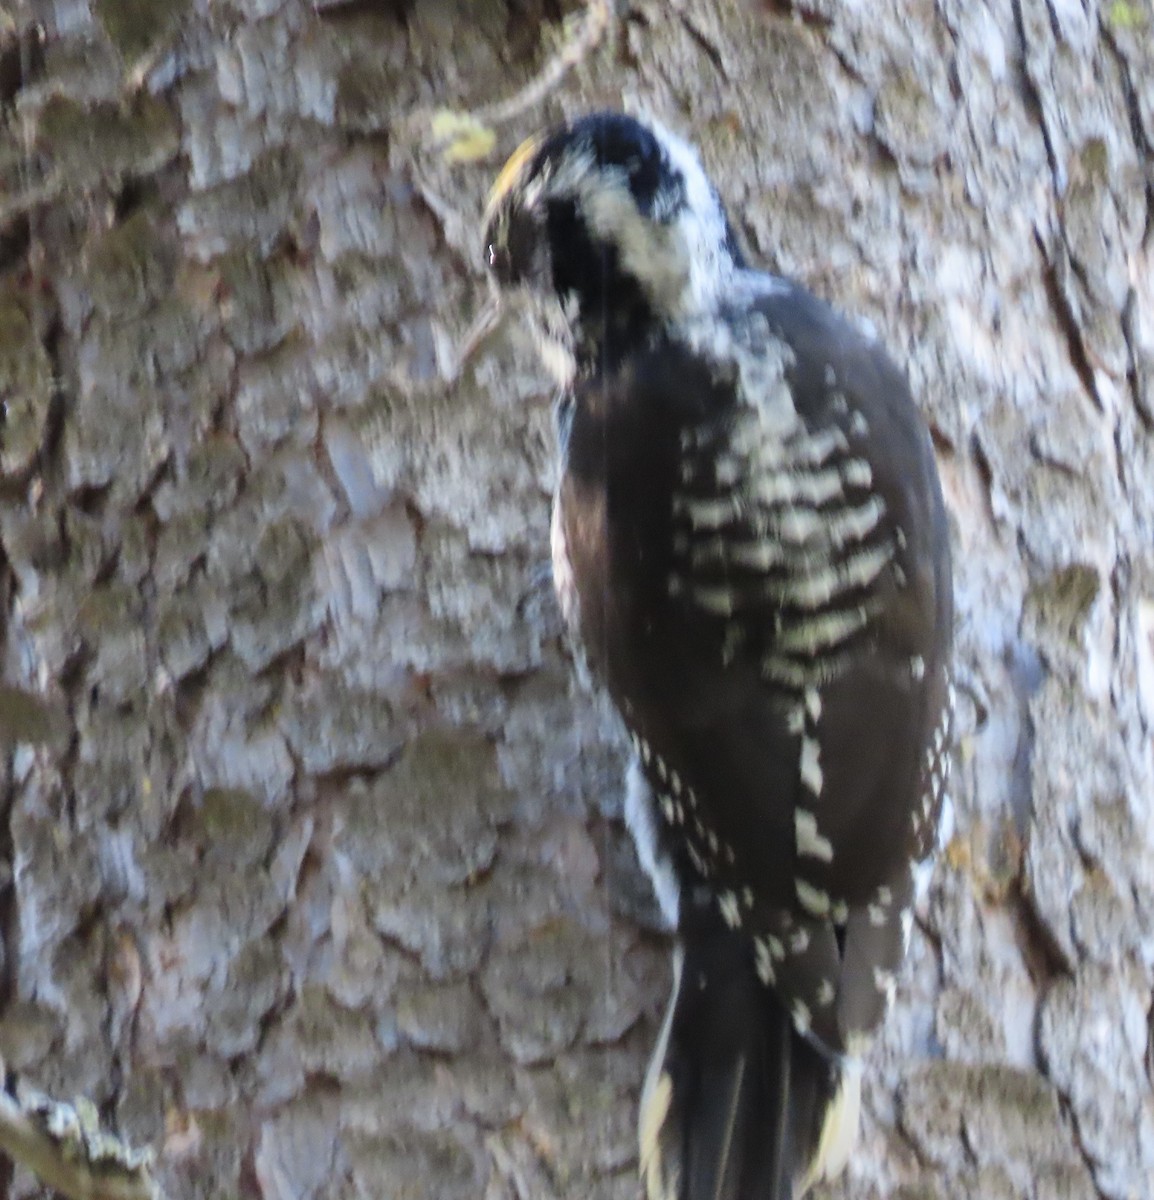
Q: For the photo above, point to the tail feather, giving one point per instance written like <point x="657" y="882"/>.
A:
<point x="738" y="1106"/>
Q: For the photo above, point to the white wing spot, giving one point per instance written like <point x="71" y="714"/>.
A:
<point x="886" y="983"/>
<point x="811" y="776"/>
<point x="853" y="524"/>
<point x="812" y="488"/>
<point x="857" y="473"/>
<point x="810" y="841"/>
<point x="863" y="568"/>
<point x="800" y="525"/>
<point x="720" y="601"/>
<point x="760" y="555"/>
<point x="815" y="449"/>
<point x="812" y="899"/>
<point x="694" y="857"/>
<point x="765" y="971"/>
<point x="802" y="1017"/>
<point x="826" y="629"/>
<point x="799" y="941"/>
<point x="706" y="514"/>
<point x="825" y="993"/>
<point x="727" y="902"/>
<point x="727" y="471"/>
<point x="812" y="703"/>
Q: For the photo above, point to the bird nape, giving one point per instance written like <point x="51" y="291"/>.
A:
<point x="750" y="548"/>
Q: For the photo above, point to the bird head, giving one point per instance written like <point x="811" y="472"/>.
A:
<point x="612" y="222"/>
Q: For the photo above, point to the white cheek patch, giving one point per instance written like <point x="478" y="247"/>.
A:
<point x="648" y="252"/>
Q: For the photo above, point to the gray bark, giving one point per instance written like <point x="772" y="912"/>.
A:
<point x="313" y="874"/>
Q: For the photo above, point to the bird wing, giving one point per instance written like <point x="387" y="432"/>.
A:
<point x="797" y="532"/>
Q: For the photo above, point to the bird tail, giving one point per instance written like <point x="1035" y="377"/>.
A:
<point x="737" y="1105"/>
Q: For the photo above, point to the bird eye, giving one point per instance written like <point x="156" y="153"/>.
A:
<point x="499" y="261"/>
<point x="514" y="245"/>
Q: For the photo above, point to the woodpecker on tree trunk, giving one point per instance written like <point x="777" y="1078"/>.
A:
<point x="751" y="550"/>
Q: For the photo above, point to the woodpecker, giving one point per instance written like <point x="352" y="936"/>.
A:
<point x="750" y="546"/>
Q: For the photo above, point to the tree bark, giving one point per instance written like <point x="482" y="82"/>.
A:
<point x="312" y="868"/>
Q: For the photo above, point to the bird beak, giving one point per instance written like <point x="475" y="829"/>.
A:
<point x="509" y="174"/>
<point x="493" y="312"/>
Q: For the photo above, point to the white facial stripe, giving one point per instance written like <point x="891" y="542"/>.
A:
<point x="701" y="222"/>
<point x="683" y="265"/>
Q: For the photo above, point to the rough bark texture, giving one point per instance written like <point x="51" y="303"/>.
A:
<point x="312" y="868"/>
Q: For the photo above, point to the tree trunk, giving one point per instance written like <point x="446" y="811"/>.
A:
<point x="312" y="869"/>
